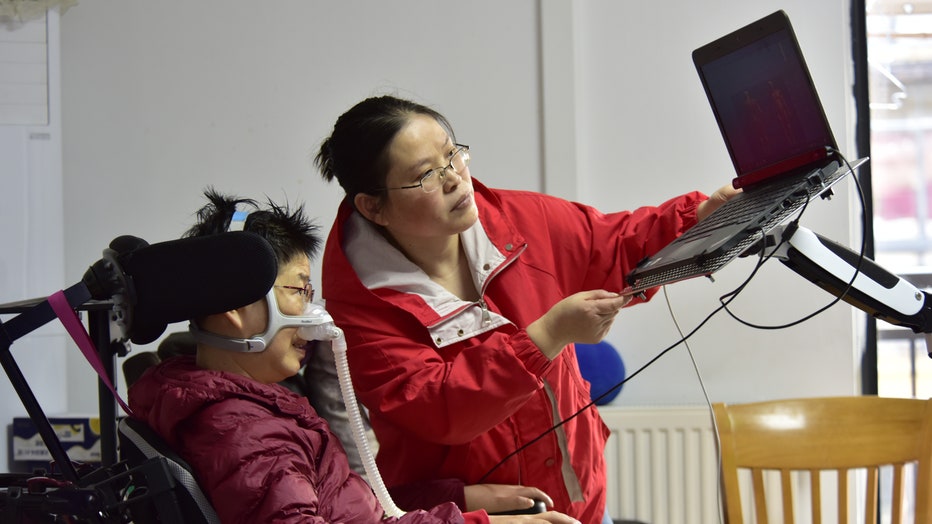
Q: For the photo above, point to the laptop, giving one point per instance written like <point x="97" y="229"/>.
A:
<point x="779" y="140"/>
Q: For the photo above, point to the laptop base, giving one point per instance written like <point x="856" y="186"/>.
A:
<point x="818" y="183"/>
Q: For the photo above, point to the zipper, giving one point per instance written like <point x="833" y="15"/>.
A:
<point x="486" y="318"/>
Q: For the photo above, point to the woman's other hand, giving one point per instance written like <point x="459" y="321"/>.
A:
<point x="584" y="317"/>
<point x="496" y="498"/>
<point x="551" y="517"/>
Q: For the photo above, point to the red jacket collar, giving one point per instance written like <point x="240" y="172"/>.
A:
<point x="340" y="279"/>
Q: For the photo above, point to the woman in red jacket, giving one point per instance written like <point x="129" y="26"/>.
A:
<point x="461" y="303"/>
<point x="259" y="451"/>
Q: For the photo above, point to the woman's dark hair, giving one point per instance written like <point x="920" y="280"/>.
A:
<point x="290" y="233"/>
<point x="355" y="153"/>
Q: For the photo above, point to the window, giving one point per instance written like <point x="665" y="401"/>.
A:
<point x="899" y="55"/>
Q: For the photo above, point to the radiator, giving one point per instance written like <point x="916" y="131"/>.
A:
<point x="662" y="464"/>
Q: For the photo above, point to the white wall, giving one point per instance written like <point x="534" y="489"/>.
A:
<point x="31" y="223"/>
<point x="161" y="99"/>
<point x="646" y="132"/>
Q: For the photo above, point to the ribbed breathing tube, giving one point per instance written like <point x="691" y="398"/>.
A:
<point x="327" y="330"/>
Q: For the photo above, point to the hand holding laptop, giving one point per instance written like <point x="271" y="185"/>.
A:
<point x="716" y="200"/>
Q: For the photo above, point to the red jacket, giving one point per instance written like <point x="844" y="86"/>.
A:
<point x="454" y="387"/>
<point x="259" y="451"/>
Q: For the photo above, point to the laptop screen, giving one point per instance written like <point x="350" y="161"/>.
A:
<point x="765" y="103"/>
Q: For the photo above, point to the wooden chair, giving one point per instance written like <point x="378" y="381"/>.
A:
<point x="836" y="434"/>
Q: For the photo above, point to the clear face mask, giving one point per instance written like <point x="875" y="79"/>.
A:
<point x="314" y="323"/>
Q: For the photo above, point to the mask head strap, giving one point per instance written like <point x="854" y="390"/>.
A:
<point x="238" y="222"/>
<point x="313" y="315"/>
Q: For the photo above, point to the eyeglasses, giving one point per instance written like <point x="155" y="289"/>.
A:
<point x="306" y="292"/>
<point x="433" y="179"/>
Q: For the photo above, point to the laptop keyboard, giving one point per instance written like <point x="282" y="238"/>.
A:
<point x="739" y="209"/>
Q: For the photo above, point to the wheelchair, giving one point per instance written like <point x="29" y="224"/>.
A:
<point x="145" y="482"/>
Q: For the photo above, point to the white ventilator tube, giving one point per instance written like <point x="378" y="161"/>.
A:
<point x="324" y="329"/>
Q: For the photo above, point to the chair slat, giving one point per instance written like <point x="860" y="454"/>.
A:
<point x="871" y="496"/>
<point x="760" y="497"/>
<point x="815" y="492"/>
<point x="897" y="500"/>
<point x="842" y="495"/>
<point x="786" y="488"/>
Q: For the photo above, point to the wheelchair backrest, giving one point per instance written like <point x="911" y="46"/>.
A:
<point x="139" y="444"/>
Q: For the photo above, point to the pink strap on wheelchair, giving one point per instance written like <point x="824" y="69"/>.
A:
<point x="75" y="328"/>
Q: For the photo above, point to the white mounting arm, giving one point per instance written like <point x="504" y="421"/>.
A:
<point x="874" y="290"/>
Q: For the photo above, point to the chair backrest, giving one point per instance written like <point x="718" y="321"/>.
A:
<point x="140" y="445"/>
<point x="817" y="438"/>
